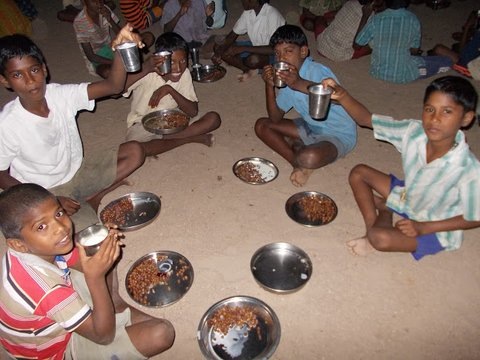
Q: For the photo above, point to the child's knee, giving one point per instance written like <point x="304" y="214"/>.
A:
<point x="214" y="119"/>
<point x="379" y="239"/>
<point x="164" y="334"/>
<point x="260" y="125"/>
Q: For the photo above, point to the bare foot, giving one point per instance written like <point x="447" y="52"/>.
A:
<point x="246" y="75"/>
<point x="360" y="246"/>
<point x="205" y="139"/>
<point x="299" y="176"/>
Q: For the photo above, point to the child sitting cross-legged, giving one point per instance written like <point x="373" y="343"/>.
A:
<point x="159" y="91"/>
<point x="59" y="303"/>
<point x="305" y="143"/>
<point x="440" y="196"/>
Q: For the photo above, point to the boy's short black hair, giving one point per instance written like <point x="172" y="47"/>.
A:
<point x="18" y="45"/>
<point x="459" y="89"/>
<point x="397" y="4"/>
<point x="290" y="34"/>
<point x="17" y="201"/>
<point x="171" y="41"/>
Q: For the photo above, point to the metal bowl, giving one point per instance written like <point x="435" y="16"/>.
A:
<point x="156" y="122"/>
<point x="92" y="237"/>
<point x="323" y="211"/>
<point x="208" y="73"/>
<point x="262" y="167"/>
<point x="132" y="211"/>
<point x="159" y="278"/>
<point x="281" y="267"/>
<point x="240" y="342"/>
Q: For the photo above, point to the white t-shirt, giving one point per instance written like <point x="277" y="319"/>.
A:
<point x="144" y="88"/>
<point x="45" y="151"/>
<point x="261" y="27"/>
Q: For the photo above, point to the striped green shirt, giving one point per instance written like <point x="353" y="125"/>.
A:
<point x="442" y="189"/>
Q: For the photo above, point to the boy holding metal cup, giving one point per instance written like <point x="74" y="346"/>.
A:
<point x="59" y="303"/>
<point x="307" y="144"/>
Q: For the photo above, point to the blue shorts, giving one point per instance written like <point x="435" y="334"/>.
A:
<point x="434" y="65"/>
<point x="427" y="244"/>
<point x="309" y="137"/>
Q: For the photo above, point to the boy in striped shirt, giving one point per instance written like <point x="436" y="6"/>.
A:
<point x="440" y="196"/>
<point x="54" y="300"/>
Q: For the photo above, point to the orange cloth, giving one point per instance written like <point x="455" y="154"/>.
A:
<point x="12" y="20"/>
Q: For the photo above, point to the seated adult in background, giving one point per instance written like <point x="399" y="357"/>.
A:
<point x="259" y="20"/>
<point x="395" y="36"/>
<point x="142" y="13"/>
<point x="190" y="19"/>
<point x="318" y="12"/>
<point x="336" y="41"/>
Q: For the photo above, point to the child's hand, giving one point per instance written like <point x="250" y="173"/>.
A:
<point x="126" y="34"/>
<point x="158" y="95"/>
<point x="99" y="264"/>
<point x="210" y="9"/>
<point x="267" y="75"/>
<point x="70" y="206"/>
<point x="337" y="91"/>
<point x="185" y="5"/>
<point x="408" y="227"/>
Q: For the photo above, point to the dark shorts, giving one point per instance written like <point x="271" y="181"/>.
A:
<point x="434" y="65"/>
<point x="427" y="244"/>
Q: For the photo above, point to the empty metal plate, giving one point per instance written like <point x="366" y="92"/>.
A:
<point x="281" y="267"/>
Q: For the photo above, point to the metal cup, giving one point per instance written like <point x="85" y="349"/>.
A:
<point x="92" y="237"/>
<point x="318" y="101"/>
<point x="130" y="56"/>
<point x="195" y="53"/>
<point x="166" y="66"/>
<point x="197" y="72"/>
<point x="279" y="66"/>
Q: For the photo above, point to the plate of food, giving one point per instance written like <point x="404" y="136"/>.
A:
<point x="131" y="211"/>
<point x="281" y="267"/>
<point x="208" y="73"/>
<point x="159" y="278"/>
<point x="163" y="122"/>
<point x="239" y="327"/>
<point x="255" y="170"/>
<point x="311" y="208"/>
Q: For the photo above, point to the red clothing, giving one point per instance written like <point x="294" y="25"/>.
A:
<point x="39" y="308"/>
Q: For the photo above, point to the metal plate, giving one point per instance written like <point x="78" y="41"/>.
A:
<point x="159" y="278"/>
<point x="157" y="121"/>
<point x="132" y="211"/>
<point x="240" y="342"/>
<point x="208" y="73"/>
<point x="311" y="208"/>
<point x="281" y="267"/>
<point x="264" y="171"/>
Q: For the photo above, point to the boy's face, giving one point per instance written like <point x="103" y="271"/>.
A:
<point x="442" y="117"/>
<point x="179" y="65"/>
<point x="291" y="53"/>
<point x="46" y="231"/>
<point x="26" y="77"/>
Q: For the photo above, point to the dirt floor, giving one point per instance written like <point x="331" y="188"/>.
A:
<point x="384" y="306"/>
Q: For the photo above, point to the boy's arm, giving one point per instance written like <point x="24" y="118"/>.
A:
<point x="354" y="108"/>
<point x="99" y="327"/>
<point x="220" y="49"/>
<point x="6" y="180"/>
<point x="415" y="228"/>
<point x="189" y="107"/>
<point x="184" y="6"/>
<point x="115" y="82"/>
